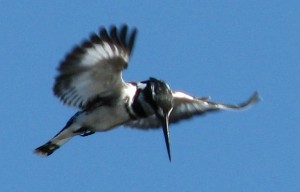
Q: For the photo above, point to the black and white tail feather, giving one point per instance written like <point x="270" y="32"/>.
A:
<point x="90" y="78"/>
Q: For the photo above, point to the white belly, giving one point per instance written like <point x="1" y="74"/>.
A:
<point x="108" y="117"/>
<point x="104" y="118"/>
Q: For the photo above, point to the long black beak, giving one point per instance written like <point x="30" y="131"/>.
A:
<point x="165" y="126"/>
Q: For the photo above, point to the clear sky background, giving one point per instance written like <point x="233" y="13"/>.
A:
<point x="223" y="49"/>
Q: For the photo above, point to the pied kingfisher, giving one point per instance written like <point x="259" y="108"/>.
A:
<point x="90" y="78"/>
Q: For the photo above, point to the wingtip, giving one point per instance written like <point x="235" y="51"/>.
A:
<point x="255" y="98"/>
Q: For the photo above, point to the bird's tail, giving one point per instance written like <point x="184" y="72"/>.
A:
<point x="51" y="146"/>
<point x="70" y="130"/>
<point x="56" y="142"/>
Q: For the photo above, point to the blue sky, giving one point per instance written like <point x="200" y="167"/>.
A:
<point x="223" y="49"/>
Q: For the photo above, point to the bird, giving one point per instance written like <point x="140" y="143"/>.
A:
<point x="90" y="79"/>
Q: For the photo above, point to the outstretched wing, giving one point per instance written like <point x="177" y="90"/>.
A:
<point x="186" y="107"/>
<point x="93" y="70"/>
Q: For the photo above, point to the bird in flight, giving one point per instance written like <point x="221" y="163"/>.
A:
<point x="90" y="79"/>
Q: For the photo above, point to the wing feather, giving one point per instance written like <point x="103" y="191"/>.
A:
<point x="94" y="69"/>
<point x="186" y="107"/>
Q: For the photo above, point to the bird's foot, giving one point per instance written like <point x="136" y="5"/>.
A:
<point x="84" y="131"/>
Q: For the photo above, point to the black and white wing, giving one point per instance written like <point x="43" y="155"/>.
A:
<point x="93" y="70"/>
<point x="186" y="107"/>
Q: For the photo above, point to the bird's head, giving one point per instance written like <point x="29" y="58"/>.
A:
<point x="161" y="100"/>
<point x="162" y="97"/>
